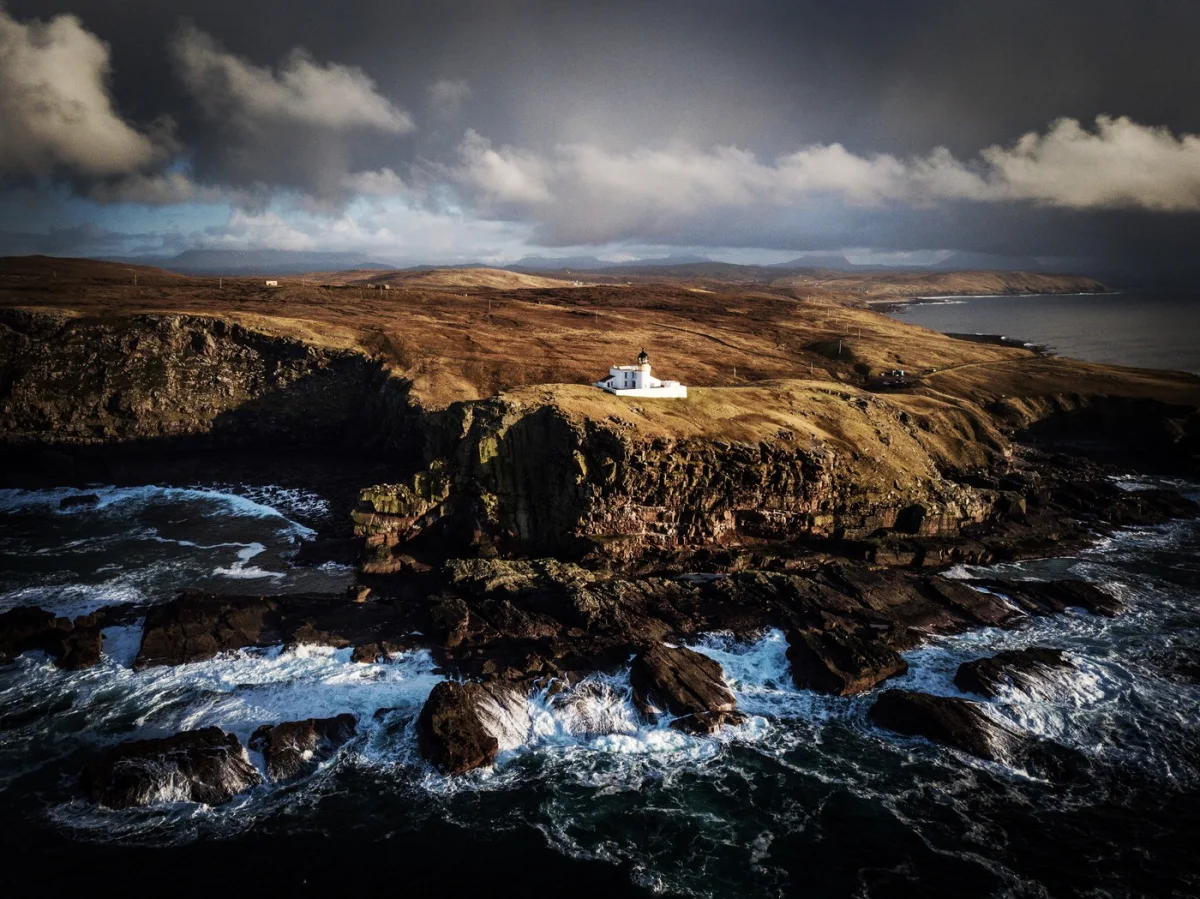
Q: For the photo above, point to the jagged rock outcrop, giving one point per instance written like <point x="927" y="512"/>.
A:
<point x="964" y="725"/>
<point x="1054" y="597"/>
<point x="73" y="645"/>
<point x="1026" y="669"/>
<point x="296" y="748"/>
<point x="197" y="625"/>
<point x="841" y="663"/>
<point x="683" y="683"/>
<point x="457" y="727"/>
<point x="207" y="766"/>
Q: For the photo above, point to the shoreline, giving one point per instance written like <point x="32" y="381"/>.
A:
<point x="895" y="304"/>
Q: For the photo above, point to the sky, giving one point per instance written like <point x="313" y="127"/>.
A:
<point x="486" y="131"/>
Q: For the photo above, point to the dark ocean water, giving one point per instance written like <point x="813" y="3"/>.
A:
<point x="1140" y="328"/>
<point x="807" y="798"/>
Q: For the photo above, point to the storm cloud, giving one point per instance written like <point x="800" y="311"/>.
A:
<point x="1062" y="129"/>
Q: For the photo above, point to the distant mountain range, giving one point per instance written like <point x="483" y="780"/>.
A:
<point x="291" y="262"/>
<point x="595" y="264"/>
<point x="254" y="262"/>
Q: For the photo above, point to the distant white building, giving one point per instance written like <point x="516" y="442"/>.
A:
<point x="636" y="380"/>
<point x="272" y="284"/>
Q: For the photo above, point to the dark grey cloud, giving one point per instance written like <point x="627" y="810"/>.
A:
<point x="535" y="84"/>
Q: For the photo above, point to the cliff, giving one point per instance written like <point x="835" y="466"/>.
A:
<point x="89" y="381"/>
<point x="572" y="470"/>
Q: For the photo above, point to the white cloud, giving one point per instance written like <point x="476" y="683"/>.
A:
<point x="56" y="111"/>
<point x="299" y="91"/>
<point x="585" y="193"/>
<point x="387" y="230"/>
<point x="1120" y="165"/>
<point x="504" y="175"/>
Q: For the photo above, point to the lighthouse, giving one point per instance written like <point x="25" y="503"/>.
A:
<point x="637" y="380"/>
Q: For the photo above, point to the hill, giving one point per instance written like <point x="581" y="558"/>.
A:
<point x="474" y="278"/>
<point x="893" y="287"/>
<point x="49" y="273"/>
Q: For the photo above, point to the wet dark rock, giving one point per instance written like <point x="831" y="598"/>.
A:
<point x="964" y="725"/>
<point x="25" y="628"/>
<point x="296" y="748"/>
<point x="943" y="719"/>
<point x="840" y="663"/>
<point x="1025" y="669"/>
<point x="73" y="645"/>
<point x="78" y="648"/>
<point x="683" y="683"/>
<point x="198" y="625"/>
<point x="1055" y="597"/>
<point x="78" y="500"/>
<point x="453" y="731"/>
<point x="368" y="654"/>
<point x="207" y="766"/>
<point x="451" y="619"/>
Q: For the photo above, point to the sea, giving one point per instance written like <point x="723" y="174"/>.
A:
<point x="1141" y="328"/>
<point x="806" y="798"/>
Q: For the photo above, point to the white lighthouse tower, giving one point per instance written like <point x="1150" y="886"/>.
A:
<point x="636" y="380"/>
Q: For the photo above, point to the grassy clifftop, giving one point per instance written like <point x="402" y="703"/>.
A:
<point x="469" y="343"/>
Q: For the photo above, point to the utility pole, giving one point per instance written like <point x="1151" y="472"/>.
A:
<point x="220" y="283"/>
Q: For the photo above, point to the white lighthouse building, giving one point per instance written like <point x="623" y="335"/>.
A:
<point x="636" y="380"/>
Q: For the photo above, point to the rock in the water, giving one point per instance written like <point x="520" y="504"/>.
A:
<point x="685" y="684"/>
<point x="944" y="719"/>
<point x="368" y="654"/>
<point x="296" y="748"/>
<point x="1053" y="597"/>
<point x="197" y="627"/>
<point x="1026" y="669"/>
<point x="457" y="728"/>
<point x="840" y="663"/>
<point x="80" y="647"/>
<point x="72" y="645"/>
<point x="23" y="629"/>
<point x="963" y="724"/>
<point x="207" y="766"/>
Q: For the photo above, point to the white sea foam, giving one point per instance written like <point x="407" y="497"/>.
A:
<point x="72" y="600"/>
<point x="242" y="567"/>
<point x="126" y="498"/>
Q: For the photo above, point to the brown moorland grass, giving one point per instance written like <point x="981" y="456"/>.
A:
<point x="470" y="342"/>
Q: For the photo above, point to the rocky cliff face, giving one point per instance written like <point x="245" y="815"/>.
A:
<point x="202" y="381"/>
<point x="539" y="479"/>
<point x="1138" y="432"/>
